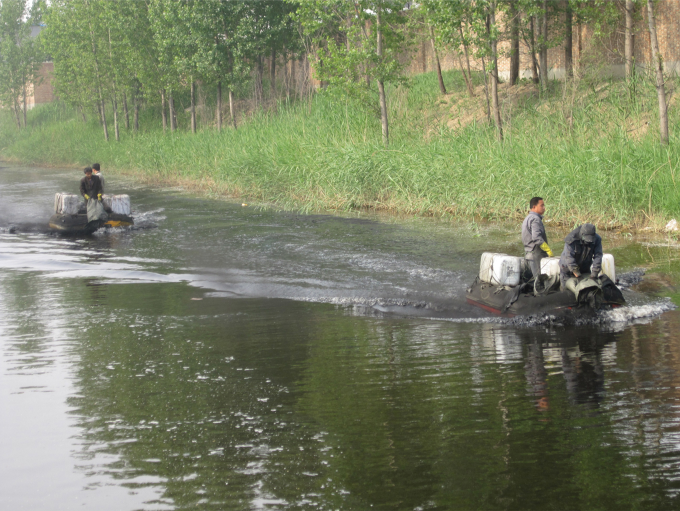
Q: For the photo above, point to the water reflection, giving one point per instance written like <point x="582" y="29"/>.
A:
<point x="130" y="387"/>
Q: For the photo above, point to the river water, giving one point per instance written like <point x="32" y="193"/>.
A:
<point x="219" y="356"/>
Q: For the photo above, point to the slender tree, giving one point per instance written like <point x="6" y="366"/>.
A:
<point x="375" y="42"/>
<point x="19" y="58"/>
<point x="658" y="67"/>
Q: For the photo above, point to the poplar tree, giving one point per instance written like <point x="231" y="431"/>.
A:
<point x="356" y="42"/>
<point x="19" y="57"/>
<point x="220" y="50"/>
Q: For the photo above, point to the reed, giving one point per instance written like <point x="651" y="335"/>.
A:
<point x="591" y="150"/>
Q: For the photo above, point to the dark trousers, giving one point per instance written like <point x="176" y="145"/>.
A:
<point x="534" y="259"/>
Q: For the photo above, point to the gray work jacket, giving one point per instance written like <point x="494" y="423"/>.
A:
<point x="533" y="232"/>
<point x="577" y="254"/>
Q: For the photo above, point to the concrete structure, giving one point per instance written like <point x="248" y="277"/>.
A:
<point x="42" y="91"/>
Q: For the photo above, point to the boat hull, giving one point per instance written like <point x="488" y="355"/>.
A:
<point x="510" y="302"/>
<point x="78" y="224"/>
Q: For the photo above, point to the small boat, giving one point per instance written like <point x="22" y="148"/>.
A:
<point x="505" y="287"/>
<point x="70" y="216"/>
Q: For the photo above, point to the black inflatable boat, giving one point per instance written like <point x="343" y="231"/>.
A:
<point x="78" y="224"/>
<point x="70" y="214"/>
<point x="584" y="294"/>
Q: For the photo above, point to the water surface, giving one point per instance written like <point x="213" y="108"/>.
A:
<point x="228" y="357"/>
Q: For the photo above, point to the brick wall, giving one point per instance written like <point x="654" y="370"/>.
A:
<point x="43" y="92"/>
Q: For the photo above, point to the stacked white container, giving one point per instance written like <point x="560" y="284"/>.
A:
<point x="551" y="266"/>
<point x="119" y="204"/>
<point x="500" y="269"/>
<point x="66" y="204"/>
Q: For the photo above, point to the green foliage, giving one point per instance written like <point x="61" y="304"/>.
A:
<point x="346" y="41"/>
<point x="326" y="154"/>
<point x="20" y="56"/>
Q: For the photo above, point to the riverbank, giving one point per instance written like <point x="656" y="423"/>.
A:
<point x="590" y="149"/>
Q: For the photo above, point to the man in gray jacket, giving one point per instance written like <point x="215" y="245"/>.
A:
<point x="534" y="237"/>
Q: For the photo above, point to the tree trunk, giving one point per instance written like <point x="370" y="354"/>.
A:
<point x="272" y="74"/>
<point x="98" y="78"/>
<point x="25" y="106"/>
<point x="381" y="85"/>
<point x="286" y="76"/>
<point x="658" y="64"/>
<point x="470" y="89"/>
<point x="126" y="112"/>
<point x="163" y="114"/>
<point x="259" y="71"/>
<point x="534" y="63"/>
<point x="232" y="112"/>
<point x="116" y="130"/>
<point x="193" y="106"/>
<point x="136" y="115"/>
<point x="293" y="73"/>
<point x="568" y="41"/>
<point x="103" y="111"/>
<point x="173" y="114"/>
<point x="514" y="43"/>
<point x="468" y="80"/>
<point x="543" y="67"/>
<point x="494" y="73"/>
<point x="16" y="113"/>
<point x="629" y="50"/>
<point x="115" y="98"/>
<point x="442" y="88"/>
<point x="218" y="109"/>
<point x="486" y="91"/>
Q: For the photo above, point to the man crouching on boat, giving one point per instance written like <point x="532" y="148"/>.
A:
<point x="582" y="254"/>
<point x="533" y="236"/>
<point x="91" y="189"/>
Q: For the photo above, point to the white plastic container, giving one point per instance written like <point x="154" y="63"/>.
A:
<point x="608" y="267"/>
<point x="119" y="204"/>
<point x="550" y="266"/>
<point x="66" y="204"/>
<point x="500" y="269"/>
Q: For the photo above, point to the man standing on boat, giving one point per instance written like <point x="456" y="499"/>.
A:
<point x="534" y="237"/>
<point x="582" y="254"/>
<point x="91" y="189"/>
<point x="97" y="172"/>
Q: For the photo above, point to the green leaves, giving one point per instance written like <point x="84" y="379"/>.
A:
<point x="19" y="54"/>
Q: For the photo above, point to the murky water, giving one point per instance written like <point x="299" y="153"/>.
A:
<point x="226" y="357"/>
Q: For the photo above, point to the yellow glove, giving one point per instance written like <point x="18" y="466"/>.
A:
<point x="87" y="197"/>
<point x="546" y="249"/>
<point x="99" y="197"/>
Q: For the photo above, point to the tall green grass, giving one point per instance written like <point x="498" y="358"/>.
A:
<point x="584" y="147"/>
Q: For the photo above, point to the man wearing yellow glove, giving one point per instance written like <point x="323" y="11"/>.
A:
<point x="534" y="237"/>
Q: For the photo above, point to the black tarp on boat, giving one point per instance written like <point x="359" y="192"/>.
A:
<point x="524" y="299"/>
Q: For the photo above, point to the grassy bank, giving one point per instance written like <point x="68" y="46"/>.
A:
<point x="591" y="150"/>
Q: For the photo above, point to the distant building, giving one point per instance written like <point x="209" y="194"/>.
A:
<point x="43" y="91"/>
